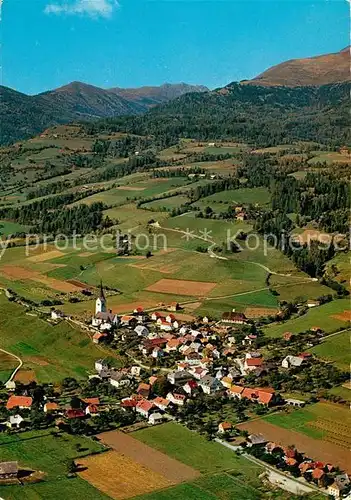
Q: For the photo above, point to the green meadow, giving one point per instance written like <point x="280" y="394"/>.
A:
<point x="322" y="316"/>
<point x="42" y="451"/>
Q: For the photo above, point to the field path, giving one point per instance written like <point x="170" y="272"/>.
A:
<point x="20" y="363"/>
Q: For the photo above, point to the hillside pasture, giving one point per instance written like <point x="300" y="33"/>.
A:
<point x="53" y="352"/>
<point x="322" y="316"/>
<point x="335" y="349"/>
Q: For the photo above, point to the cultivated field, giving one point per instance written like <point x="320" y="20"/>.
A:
<point x="126" y="445"/>
<point x="192" y="449"/>
<point x="180" y="287"/>
<point x="119" y="476"/>
<point x="325" y="450"/>
<point x="41" y="451"/>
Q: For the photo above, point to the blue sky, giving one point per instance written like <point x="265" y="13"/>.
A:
<point x="48" y="43"/>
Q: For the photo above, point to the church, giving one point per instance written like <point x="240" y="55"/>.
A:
<point x="103" y="319"/>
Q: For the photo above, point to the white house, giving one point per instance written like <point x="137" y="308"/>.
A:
<point x="56" y="314"/>
<point x="100" y="365"/>
<point x="176" y="399"/>
<point x="135" y="371"/>
<point x="155" y="418"/>
<point x="141" y="331"/>
<point x="179" y="377"/>
<point x="10" y="385"/>
<point x="118" y="379"/>
<point x="14" y="421"/>
<point x="290" y="361"/>
<point x="209" y="384"/>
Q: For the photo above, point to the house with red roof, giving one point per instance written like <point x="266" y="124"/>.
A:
<point x="236" y="391"/>
<point x="22" y="402"/>
<point x="74" y="413"/>
<point x="144" y="390"/>
<point x="176" y="399"/>
<point x="161" y="403"/>
<point x="51" y="407"/>
<point x="319" y="477"/>
<point x="144" y="407"/>
<point x="99" y="337"/>
<point x="92" y="410"/>
<point x="224" y="427"/>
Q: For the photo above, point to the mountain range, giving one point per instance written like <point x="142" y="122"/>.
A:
<point x="23" y="116"/>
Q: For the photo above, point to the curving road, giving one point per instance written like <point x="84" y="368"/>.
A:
<point x="20" y="363"/>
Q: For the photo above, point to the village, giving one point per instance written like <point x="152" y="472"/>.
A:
<point x="210" y="376"/>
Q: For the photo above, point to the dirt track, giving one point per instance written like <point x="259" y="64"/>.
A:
<point x="313" y="448"/>
<point x="171" y="469"/>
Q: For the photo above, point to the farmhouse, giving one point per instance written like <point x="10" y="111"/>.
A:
<point x="234" y="318"/>
<point x="176" y="399"/>
<point x="22" y="402"/>
<point x="292" y="361"/>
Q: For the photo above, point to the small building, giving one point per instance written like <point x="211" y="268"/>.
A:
<point x="57" y="314"/>
<point x="101" y="364"/>
<point x="256" y="440"/>
<point x="15" y="421"/>
<point x="179" y="377"/>
<point x="313" y="303"/>
<point x="161" y="403"/>
<point x="8" y="470"/>
<point x="296" y="402"/>
<point x="10" y="385"/>
<point x="210" y="384"/>
<point x="155" y="418"/>
<point x="51" y="407"/>
<point x="99" y="337"/>
<point x="224" y="427"/>
<point x="236" y="391"/>
<point x="141" y="331"/>
<point x="118" y="379"/>
<point x="174" y="306"/>
<point x="292" y="361"/>
<point x="176" y="399"/>
<point x="234" y="318"/>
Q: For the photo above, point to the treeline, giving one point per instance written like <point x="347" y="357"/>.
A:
<point x="245" y="113"/>
<point x="179" y="172"/>
<point x="213" y="187"/>
<point x="80" y="220"/>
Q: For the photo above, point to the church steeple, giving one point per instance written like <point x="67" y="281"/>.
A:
<point x="100" y="304"/>
<point x="102" y="295"/>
